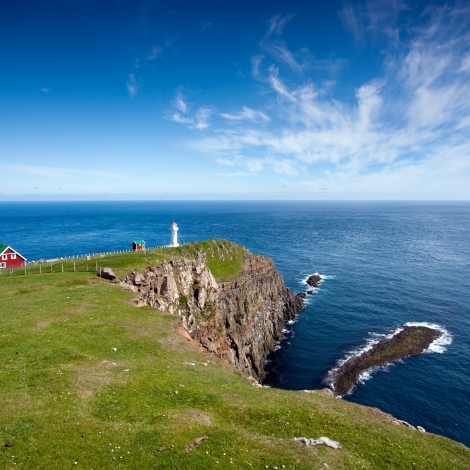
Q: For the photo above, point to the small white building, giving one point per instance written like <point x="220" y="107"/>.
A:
<point x="174" y="234"/>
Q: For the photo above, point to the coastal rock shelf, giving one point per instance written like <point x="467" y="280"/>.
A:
<point x="409" y="341"/>
<point x="240" y="320"/>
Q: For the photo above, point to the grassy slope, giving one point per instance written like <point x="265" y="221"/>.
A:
<point x="68" y="397"/>
<point x="223" y="269"/>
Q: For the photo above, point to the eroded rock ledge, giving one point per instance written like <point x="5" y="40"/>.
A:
<point x="239" y="320"/>
<point x="408" y="341"/>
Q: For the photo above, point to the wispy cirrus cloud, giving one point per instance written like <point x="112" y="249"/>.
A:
<point x="255" y="166"/>
<point x="273" y="45"/>
<point x="181" y="113"/>
<point x="155" y="51"/>
<point x="180" y="104"/>
<point x="371" y="17"/>
<point x="131" y="85"/>
<point x="58" y="172"/>
<point x="413" y="121"/>
<point x="246" y="114"/>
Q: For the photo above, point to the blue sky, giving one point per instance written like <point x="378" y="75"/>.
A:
<point x="234" y="100"/>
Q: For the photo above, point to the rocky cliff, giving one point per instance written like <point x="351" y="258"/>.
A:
<point x="240" y="320"/>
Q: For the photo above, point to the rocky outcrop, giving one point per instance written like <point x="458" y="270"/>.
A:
<point x="313" y="281"/>
<point x="107" y="273"/>
<point x="239" y="320"/>
<point x="407" y="341"/>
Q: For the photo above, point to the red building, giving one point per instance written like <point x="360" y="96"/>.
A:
<point x="9" y="258"/>
<point x="138" y="245"/>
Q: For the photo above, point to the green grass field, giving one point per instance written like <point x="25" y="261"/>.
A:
<point x="69" y="400"/>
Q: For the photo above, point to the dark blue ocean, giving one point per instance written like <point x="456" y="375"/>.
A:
<point x="385" y="264"/>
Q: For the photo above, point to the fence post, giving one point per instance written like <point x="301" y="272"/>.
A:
<point x="74" y="267"/>
<point x="40" y="266"/>
<point x="96" y="267"/>
<point x="25" y="269"/>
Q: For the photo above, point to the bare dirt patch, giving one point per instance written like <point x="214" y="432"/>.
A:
<point x="193" y="416"/>
<point x="89" y="379"/>
<point x="42" y="324"/>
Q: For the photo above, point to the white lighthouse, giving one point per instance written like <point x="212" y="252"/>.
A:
<point x="174" y="234"/>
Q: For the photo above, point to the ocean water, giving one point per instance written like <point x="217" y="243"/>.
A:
<point x="384" y="264"/>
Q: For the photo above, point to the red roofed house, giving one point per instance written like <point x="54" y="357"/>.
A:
<point x="9" y="258"/>
<point x="138" y="245"/>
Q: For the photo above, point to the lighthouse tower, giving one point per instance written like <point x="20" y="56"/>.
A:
<point x="174" y="234"/>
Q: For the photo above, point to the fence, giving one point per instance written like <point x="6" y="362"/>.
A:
<point x="79" y="263"/>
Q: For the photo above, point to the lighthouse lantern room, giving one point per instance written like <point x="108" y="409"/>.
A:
<point x="174" y="234"/>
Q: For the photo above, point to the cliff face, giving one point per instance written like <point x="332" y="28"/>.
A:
<point x="239" y="320"/>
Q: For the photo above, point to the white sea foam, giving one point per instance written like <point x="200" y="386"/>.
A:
<point x="367" y="375"/>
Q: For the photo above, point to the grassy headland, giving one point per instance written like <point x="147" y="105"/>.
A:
<point x="68" y="397"/>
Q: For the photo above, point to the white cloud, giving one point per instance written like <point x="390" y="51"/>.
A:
<point x="372" y="18"/>
<point x="410" y="124"/>
<point x="465" y="67"/>
<point x="275" y="47"/>
<point x="255" y="64"/>
<point x="154" y="52"/>
<point x="199" y="119"/>
<point x="254" y="166"/>
<point x="246" y="114"/>
<point x="131" y="85"/>
<point x="180" y="104"/>
<point x="276" y="25"/>
<point x="229" y="161"/>
<point x="202" y="116"/>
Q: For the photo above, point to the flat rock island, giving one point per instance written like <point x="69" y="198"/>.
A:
<point x="409" y="341"/>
